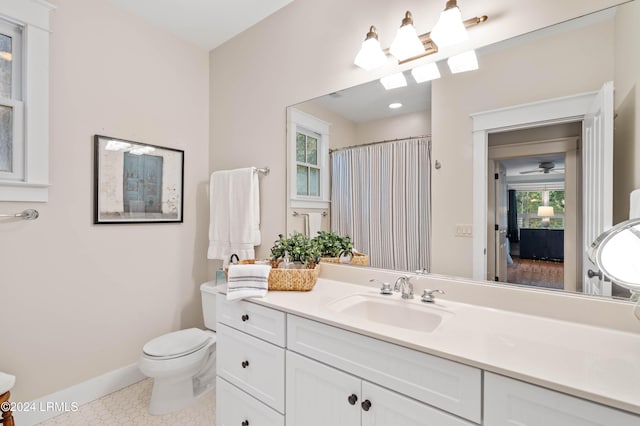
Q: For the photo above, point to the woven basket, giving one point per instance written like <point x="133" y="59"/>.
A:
<point x="288" y="279"/>
<point x="357" y="259"/>
<point x="293" y="279"/>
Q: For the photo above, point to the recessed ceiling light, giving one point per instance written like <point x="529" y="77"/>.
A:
<point x="395" y="105"/>
<point x="393" y="81"/>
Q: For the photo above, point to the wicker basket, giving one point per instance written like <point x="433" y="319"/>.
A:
<point x="357" y="259"/>
<point x="288" y="279"/>
<point x="293" y="279"/>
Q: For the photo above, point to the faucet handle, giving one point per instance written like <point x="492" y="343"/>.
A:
<point x="386" y="287"/>
<point x="428" y="295"/>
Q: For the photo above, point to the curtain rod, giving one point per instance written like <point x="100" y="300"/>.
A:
<point x="379" y="142"/>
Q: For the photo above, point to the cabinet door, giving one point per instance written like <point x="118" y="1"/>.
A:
<point x="253" y="365"/>
<point x="387" y="408"/>
<point x="318" y="395"/>
<point x="511" y="402"/>
<point x="235" y="407"/>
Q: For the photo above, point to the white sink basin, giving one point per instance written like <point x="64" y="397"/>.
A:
<point x="391" y="311"/>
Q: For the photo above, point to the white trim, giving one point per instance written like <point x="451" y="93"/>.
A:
<point x="542" y="113"/>
<point x="77" y="395"/>
<point x="34" y="15"/>
<point x="297" y="118"/>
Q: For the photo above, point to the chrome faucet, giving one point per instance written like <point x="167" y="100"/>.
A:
<point x="403" y="284"/>
<point x="428" y="295"/>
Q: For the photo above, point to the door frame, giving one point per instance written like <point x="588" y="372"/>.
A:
<point x="542" y="113"/>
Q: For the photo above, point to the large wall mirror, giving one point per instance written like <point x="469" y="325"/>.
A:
<point x="362" y="165"/>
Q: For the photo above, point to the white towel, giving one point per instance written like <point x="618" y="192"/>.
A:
<point x="315" y="224"/>
<point x="634" y="207"/>
<point x="247" y="281"/>
<point x="6" y="382"/>
<point x="234" y="225"/>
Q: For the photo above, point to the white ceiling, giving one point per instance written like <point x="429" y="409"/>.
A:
<point x="205" y="23"/>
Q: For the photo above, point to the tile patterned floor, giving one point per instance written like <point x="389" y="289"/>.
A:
<point x="128" y="406"/>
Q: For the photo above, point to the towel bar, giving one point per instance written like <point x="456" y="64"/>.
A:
<point x="29" y="214"/>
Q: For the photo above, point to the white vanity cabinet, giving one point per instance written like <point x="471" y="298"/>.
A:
<point x="319" y="395"/>
<point x="275" y="368"/>
<point x="250" y="364"/>
<point x="512" y="402"/>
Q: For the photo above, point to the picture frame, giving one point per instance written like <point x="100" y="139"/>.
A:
<point x="137" y="182"/>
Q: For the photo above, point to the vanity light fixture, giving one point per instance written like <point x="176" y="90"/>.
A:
<point x="395" y="105"/>
<point x="463" y="62"/>
<point x="449" y="29"/>
<point x="545" y="212"/>
<point x="370" y="55"/>
<point x="394" y="81"/>
<point x="408" y="45"/>
<point x="426" y="72"/>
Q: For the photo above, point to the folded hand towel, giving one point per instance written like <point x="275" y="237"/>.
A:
<point x="6" y="382"/>
<point x="247" y="281"/>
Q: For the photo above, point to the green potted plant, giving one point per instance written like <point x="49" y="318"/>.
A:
<point x="298" y="248"/>
<point x="332" y="244"/>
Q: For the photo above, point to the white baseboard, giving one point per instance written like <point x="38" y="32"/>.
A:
<point x="71" y="398"/>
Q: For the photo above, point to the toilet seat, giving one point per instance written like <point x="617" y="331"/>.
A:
<point x="177" y="344"/>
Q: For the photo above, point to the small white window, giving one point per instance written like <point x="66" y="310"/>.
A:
<point x="11" y="105"/>
<point x="24" y="100"/>
<point x="308" y="160"/>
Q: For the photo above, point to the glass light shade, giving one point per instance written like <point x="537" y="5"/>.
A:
<point x="425" y="72"/>
<point x="616" y="252"/>
<point x="449" y="29"/>
<point x="467" y="61"/>
<point x="395" y="105"/>
<point x="370" y="55"/>
<point x="545" y="211"/>
<point x="406" y="44"/>
<point x="394" y="81"/>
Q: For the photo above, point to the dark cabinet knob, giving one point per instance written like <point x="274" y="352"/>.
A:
<point x="245" y="364"/>
<point x="366" y="404"/>
<point x="245" y="318"/>
<point x="245" y="423"/>
<point x="352" y="399"/>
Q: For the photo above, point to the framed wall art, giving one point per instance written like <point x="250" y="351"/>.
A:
<point x="137" y="182"/>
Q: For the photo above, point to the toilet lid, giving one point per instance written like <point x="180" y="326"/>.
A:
<point x="177" y="343"/>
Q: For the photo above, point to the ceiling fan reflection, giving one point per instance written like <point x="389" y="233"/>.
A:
<point x="545" y="167"/>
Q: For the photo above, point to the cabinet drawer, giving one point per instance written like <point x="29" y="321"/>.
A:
<point x="233" y="407"/>
<point x="261" y="322"/>
<point x="253" y="365"/>
<point x="511" y="402"/>
<point x="442" y="383"/>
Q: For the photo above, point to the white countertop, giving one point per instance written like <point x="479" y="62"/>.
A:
<point x="594" y="363"/>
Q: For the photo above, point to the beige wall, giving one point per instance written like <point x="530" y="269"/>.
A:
<point x="79" y="300"/>
<point x="626" y="152"/>
<point x="292" y="56"/>
<point x="531" y="72"/>
<point x="401" y="126"/>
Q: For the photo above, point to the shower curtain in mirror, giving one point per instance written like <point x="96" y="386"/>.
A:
<point x="381" y="198"/>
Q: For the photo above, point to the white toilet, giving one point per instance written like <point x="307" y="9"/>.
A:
<point x="183" y="363"/>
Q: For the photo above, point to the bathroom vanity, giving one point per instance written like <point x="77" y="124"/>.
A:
<point x="343" y="354"/>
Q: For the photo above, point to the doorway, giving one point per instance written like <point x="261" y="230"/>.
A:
<point x="535" y="198"/>
<point x="596" y="112"/>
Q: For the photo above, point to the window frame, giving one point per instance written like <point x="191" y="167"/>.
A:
<point x="33" y="107"/>
<point x="301" y="121"/>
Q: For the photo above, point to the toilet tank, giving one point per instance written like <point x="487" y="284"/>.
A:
<point x="209" y="293"/>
